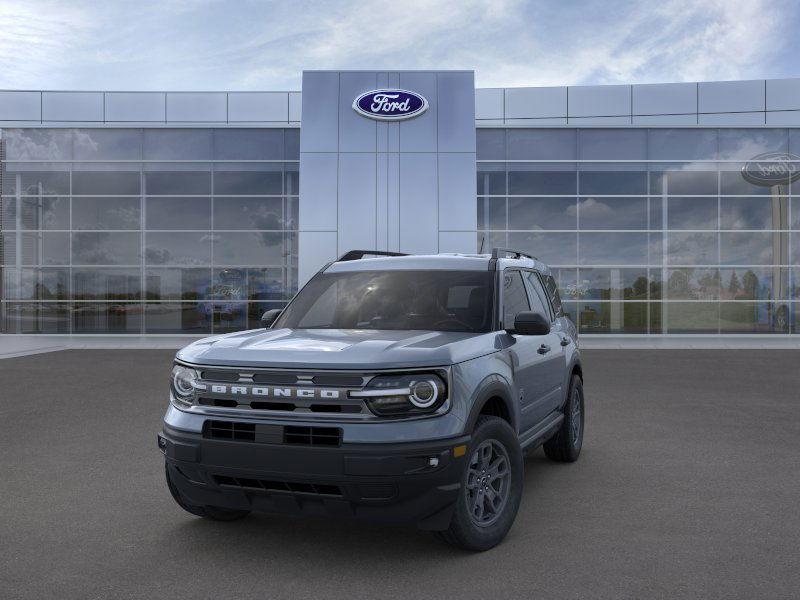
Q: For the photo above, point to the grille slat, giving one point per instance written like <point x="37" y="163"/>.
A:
<point x="273" y="434"/>
<point x="292" y="487"/>
<point x="312" y="436"/>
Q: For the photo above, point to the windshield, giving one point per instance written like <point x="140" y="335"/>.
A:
<point x="429" y="300"/>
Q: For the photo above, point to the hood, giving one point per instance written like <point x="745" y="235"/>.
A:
<point x="339" y="348"/>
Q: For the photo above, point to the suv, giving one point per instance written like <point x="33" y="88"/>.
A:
<point x="392" y="387"/>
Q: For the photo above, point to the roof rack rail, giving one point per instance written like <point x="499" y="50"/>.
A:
<point x="358" y="254"/>
<point x="505" y="252"/>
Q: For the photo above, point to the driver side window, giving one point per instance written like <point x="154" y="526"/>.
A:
<point x="515" y="298"/>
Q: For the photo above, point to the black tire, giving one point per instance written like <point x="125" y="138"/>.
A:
<point x="465" y="531"/>
<point x="565" y="445"/>
<point x="214" y="513"/>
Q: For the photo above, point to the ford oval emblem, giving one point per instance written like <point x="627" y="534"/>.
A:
<point x="390" y="105"/>
<point x="772" y="168"/>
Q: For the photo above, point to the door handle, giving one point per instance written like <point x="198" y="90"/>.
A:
<point x="543" y="349"/>
<point x="564" y="341"/>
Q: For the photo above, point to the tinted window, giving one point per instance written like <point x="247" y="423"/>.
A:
<point x="538" y="298"/>
<point x="555" y="297"/>
<point x="515" y="298"/>
<point x="416" y="300"/>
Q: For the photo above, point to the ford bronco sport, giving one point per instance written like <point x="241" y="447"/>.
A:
<point x="392" y="387"/>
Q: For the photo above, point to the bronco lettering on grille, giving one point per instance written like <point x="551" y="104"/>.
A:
<point x="275" y="392"/>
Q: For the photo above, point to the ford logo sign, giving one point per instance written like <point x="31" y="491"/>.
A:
<point x="390" y="105"/>
<point x="772" y="168"/>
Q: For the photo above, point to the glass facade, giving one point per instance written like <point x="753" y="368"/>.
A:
<point x="146" y="230"/>
<point x="649" y="230"/>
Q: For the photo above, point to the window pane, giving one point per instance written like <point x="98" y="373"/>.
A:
<point x="491" y="179"/>
<point x="750" y="317"/>
<point x="250" y="183"/>
<point x="613" y="182"/>
<point x="107" y="144"/>
<point x="684" y="183"/>
<point x="541" y="144"/>
<point x="36" y="183"/>
<point x="105" y="248"/>
<point x="754" y="283"/>
<point x="8" y="213"/>
<point x="178" y="144"/>
<point x="490" y="144"/>
<point x="36" y="284"/>
<point x="612" y="213"/>
<point x="691" y="317"/>
<point x="491" y="213"/>
<point x="267" y="284"/>
<point x="105" y="213"/>
<point x="38" y="144"/>
<point x="613" y="284"/>
<point x="682" y="144"/>
<point x="118" y="183"/>
<point x="542" y="213"/>
<point x="34" y="317"/>
<point x="567" y="282"/>
<point x="44" y="212"/>
<point x="733" y="182"/>
<point x="749" y="248"/>
<point x="177" y="284"/>
<point x="754" y="213"/>
<point x="613" y="248"/>
<point x="106" y="284"/>
<point x="248" y="144"/>
<point x="550" y="248"/>
<point x="178" y="183"/>
<point x="291" y="142"/>
<point x="253" y="248"/>
<point x="608" y="144"/>
<point x="176" y="317"/>
<point x="746" y="144"/>
<point x="692" y="213"/>
<point x="45" y="248"/>
<point x="107" y="318"/>
<point x="692" y="248"/>
<point x="229" y="316"/>
<point x="537" y="296"/>
<point x="174" y="212"/>
<point x="291" y="179"/>
<point x="522" y="181"/>
<point x="248" y="213"/>
<point x="178" y="248"/>
<point x="613" y="317"/>
<point x="693" y="284"/>
<point x="656" y="213"/>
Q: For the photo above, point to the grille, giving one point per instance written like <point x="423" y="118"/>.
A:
<point x="312" y="436"/>
<point x="292" y="487"/>
<point x="273" y="434"/>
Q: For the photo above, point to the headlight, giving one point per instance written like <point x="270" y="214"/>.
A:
<point x="405" y="394"/>
<point x="183" y="380"/>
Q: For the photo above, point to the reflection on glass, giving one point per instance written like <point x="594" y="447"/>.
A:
<point x="35" y="317"/>
<point x="252" y="248"/>
<point x="682" y="144"/>
<point x="47" y="248"/>
<point x="105" y="213"/>
<point x="33" y="183"/>
<point x="176" y="317"/>
<point x="107" y="144"/>
<point x="249" y="213"/>
<point x="117" y="183"/>
<point x="754" y="213"/>
<point x="551" y="248"/>
<point x="752" y="317"/>
<point x="523" y="182"/>
<point x="693" y="284"/>
<point x="106" y="284"/>
<point x="178" y="248"/>
<point x="692" y="213"/>
<point x="172" y="212"/>
<point x="44" y="212"/>
<point x="178" y="183"/>
<point x="692" y="248"/>
<point x="612" y="213"/>
<point x="38" y="284"/>
<point x="248" y="144"/>
<point x="690" y="317"/>
<point x="755" y="283"/>
<point x="177" y="284"/>
<point x="541" y="213"/>
<point x="613" y="248"/>
<point x="612" y="317"/>
<point x="491" y="180"/>
<point x="491" y="144"/>
<point x="38" y="144"/>
<point x="613" y="182"/>
<point x="229" y="316"/>
<point x="612" y="144"/>
<point x="541" y="144"/>
<point x="613" y="284"/>
<point x="248" y="182"/>
<point x="750" y="248"/>
<point x="104" y="248"/>
<point x="107" y="317"/>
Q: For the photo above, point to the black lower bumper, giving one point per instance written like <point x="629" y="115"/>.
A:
<point x="398" y="483"/>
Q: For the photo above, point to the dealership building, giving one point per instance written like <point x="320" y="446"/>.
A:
<point x="663" y="209"/>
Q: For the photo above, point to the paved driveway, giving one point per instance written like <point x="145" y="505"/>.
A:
<point x="688" y="486"/>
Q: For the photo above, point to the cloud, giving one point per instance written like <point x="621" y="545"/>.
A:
<point x="211" y="44"/>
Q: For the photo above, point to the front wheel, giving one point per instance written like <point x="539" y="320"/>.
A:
<point x="491" y="488"/>
<point x="565" y="445"/>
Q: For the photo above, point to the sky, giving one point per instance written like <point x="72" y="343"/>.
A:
<point x="265" y="45"/>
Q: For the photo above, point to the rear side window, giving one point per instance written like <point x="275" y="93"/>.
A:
<point x="515" y="298"/>
<point x="555" y="298"/>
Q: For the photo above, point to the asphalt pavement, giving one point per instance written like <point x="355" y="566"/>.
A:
<point x="687" y="487"/>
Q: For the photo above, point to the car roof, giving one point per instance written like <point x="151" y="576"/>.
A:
<point x="432" y="262"/>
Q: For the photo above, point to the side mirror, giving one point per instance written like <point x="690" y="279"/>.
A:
<point x="268" y="318"/>
<point x="531" y="323"/>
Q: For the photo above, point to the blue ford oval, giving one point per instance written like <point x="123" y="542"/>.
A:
<point x="390" y="105"/>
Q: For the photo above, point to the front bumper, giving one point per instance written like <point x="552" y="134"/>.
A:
<point x="396" y="482"/>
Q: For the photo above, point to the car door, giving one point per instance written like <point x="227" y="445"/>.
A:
<point x="555" y="358"/>
<point x="529" y="363"/>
